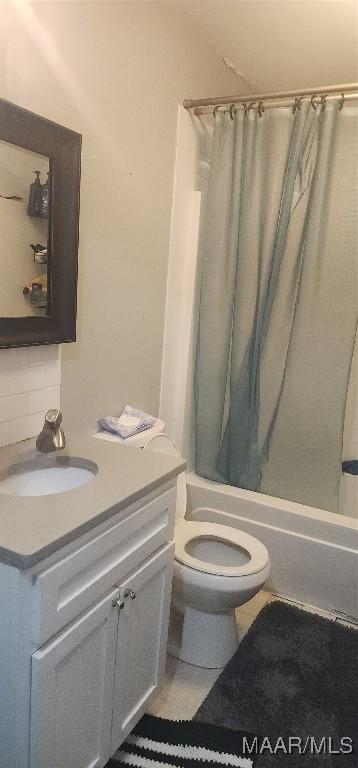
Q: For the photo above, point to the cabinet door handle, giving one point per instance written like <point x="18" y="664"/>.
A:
<point x="118" y="603"/>
<point x="129" y="593"/>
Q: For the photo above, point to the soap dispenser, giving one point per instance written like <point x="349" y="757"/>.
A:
<point x="35" y="197"/>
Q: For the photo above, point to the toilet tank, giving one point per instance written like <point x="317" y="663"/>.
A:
<point x="155" y="439"/>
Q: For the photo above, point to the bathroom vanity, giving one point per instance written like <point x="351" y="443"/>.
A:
<point x="85" y="585"/>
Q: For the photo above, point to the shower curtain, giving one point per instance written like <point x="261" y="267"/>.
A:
<point x="278" y="300"/>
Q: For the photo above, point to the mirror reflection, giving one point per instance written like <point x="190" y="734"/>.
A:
<point x="24" y="226"/>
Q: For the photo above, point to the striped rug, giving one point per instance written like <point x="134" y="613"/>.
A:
<point x="158" y="743"/>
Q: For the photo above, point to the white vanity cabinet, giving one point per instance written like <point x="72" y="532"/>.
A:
<point x="71" y="692"/>
<point x="92" y="682"/>
<point x="142" y="639"/>
<point x="92" y="639"/>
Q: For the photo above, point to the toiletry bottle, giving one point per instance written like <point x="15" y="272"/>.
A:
<point x="35" y="197"/>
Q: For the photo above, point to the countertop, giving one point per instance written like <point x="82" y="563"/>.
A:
<point x="33" y="527"/>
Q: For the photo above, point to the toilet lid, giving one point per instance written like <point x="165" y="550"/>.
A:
<point x="186" y="531"/>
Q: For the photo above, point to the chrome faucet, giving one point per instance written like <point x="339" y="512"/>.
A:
<point x="51" y="438"/>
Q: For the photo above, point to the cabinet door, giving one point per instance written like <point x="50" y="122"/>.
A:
<point x="72" y="692"/>
<point x="142" y="640"/>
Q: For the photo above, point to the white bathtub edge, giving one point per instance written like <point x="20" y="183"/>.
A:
<point x="314" y="558"/>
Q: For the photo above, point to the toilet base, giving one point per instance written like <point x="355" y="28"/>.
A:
<point x="203" y="639"/>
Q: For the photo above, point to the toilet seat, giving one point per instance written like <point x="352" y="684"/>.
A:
<point x="187" y="530"/>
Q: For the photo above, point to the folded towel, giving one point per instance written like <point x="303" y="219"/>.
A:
<point x="128" y="423"/>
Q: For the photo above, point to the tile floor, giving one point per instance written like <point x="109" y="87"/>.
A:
<point x="185" y="686"/>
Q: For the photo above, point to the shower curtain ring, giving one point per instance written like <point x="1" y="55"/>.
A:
<point x="245" y="107"/>
<point x="216" y="109"/>
<point x="260" y="109"/>
<point x="341" y="101"/>
<point x="323" y="101"/>
<point x="232" y="111"/>
<point x="313" y="104"/>
<point x="297" y="105"/>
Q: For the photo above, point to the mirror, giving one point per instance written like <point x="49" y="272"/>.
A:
<point x="24" y="227"/>
<point x="39" y="212"/>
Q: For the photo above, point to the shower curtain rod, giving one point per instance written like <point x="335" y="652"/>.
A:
<point x="349" y="90"/>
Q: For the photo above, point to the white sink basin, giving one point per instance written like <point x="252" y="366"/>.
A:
<point x="45" y="480"/>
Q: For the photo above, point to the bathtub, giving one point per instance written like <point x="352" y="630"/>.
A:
<point x="314" y="553"/>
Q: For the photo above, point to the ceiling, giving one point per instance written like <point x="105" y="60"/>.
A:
<point x="282" y="44"/>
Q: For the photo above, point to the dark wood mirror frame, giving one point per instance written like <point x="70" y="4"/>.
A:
<point x="63" y="147"/>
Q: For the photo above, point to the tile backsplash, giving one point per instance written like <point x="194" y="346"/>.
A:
<point x="30" y="381"/>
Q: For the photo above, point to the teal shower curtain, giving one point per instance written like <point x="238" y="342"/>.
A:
<point x="278" y="305"/>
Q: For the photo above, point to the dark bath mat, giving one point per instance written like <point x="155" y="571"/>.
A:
<point x="295" y="674"/>
<point x="159" y="743"/>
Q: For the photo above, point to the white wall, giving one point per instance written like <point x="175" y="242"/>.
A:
<point x="176" y="398"/>
<point x="115" y="72"/>
<point x="29" y="386"/>
<point x="283" y="44"/>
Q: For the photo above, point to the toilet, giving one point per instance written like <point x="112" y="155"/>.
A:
<point x="217" y="568"/>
